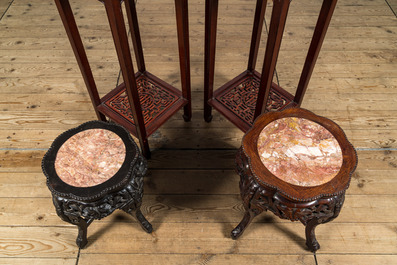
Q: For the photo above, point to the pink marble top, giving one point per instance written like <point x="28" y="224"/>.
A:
<point x="299" y="151"/>
<point x="90" y="157"/>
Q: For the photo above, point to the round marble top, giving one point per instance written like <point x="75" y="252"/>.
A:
<point x="299" y="151"/>
<point x="90" y="157"/>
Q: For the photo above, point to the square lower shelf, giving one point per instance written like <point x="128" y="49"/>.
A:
<point x="159" y="101"/>
<point x="236" y="99"/>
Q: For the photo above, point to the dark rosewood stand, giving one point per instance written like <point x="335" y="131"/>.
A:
<point x="81" y="205"/>
<point x="248" y="95"/>
<point x="143" y="102"/>
<point x="261" y="190"/>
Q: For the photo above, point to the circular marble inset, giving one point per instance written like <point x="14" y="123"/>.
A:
<point x="90" y="157"/>
<point x="300" y="151"/>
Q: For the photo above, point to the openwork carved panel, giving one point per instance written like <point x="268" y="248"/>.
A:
<point x="154" y="100"/>
<point x="241" y="99"/>
<point x="127" y="198"/>
<point x="258" y="197"/>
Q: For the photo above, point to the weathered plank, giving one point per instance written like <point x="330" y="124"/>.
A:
<point x="356" y="259"/>
<point x="30" y="160"/>
<point x="183" y="259"/>
<point x="68" y="102"/>
<point x="38" y="242"/>
<point x="4" y="4"/>
<point x="194" y="182"/>
<point x="170" y="208"/>
<point x="38" y="261"/>
<point x="75" y="85"/>
<point x="170" y="55"/>
<point x="228" y="14"/>
<point x="51" y="42"/>
<point x="208" y="138"/>
<point x="347" y="119"/>
<point x="213" y="238"/>
<point x="25" y="185"/>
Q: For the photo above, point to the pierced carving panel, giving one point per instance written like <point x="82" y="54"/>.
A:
<point x="128" y="199"/>
<point x="154" y="100"/>
<point x="324" y="210"/>
<point x="259" y="198"/>
<point x="241" y="99"/>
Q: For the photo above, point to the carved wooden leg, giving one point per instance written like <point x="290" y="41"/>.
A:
<point x="238" y="231"/>
<point x="143" y="222"/>
<point x="311" y="241"/>
<point x="81" y="240"/>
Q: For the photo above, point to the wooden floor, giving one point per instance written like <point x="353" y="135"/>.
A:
<point x="191" y="190"/>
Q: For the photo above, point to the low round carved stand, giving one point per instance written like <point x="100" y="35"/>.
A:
<point x="93" y="170"/>
<point x="298" y="166"/>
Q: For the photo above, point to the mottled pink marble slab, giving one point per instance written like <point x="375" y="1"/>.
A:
<point x="90" y="158"/>
<point x="299" y="151"/>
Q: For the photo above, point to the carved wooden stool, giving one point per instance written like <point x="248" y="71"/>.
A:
<point x="297" y="165"/>
<point x="93" y="170"/>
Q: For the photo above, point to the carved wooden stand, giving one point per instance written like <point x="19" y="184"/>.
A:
<point x="261" y="190"/>
<point x="246" y="96"/>
<point x="79" y="205"/>
<point x="143" y="102"/>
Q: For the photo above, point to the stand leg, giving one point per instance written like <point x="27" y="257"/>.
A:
<point x="211" y="16"/>
<point x="239" y="230"/>
<point x="143" y="222"/>
<point x="323" y="21"/>
<point x="146" y="150"/>
<point x="135" y="35"/>
<point x="135" y="209"/>
<point x="81" y="240"/>
<point x="256" y="33"/>
<point x="117" y="25"/>
<point x="311" y="241"/>
<point x="72" y="31"/>
<point x="277" y="23"/>
<point x="182" y="22"/>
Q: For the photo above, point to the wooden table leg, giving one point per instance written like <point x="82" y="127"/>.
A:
<point x="182" y="22"/>
<point x="211" y="17"/>
<point x="256" y="33"/>
<point x="277" y="24"/>
<point x="116" y="21"/>
<point x="323" y="21"/>
<point x="239" y="230"/>
<point x="72" y="31"/>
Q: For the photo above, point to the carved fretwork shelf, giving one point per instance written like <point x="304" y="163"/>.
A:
<point x="158" y="99"/>
<point x="143" y="102"/>
<point x="250" y="94"/>
<point x="236" y="99"/>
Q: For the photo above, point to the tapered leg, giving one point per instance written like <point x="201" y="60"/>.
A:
<point x="81" y="240"/>
<point x="211" y="16"/>
<point x="311" y="241"/>
<point x="323" y="21"/>
<point x="182" y="22"/>
<point x="143" y="222"/>
<point x="256" y="33"/>
<point x="117" y="25"/>
<point x="239" y="230"/>
<point x="133" y="208"/>
<point x="135" y="35"/>
<point x="72" y="31"/>
<point x="277" y="23"/>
